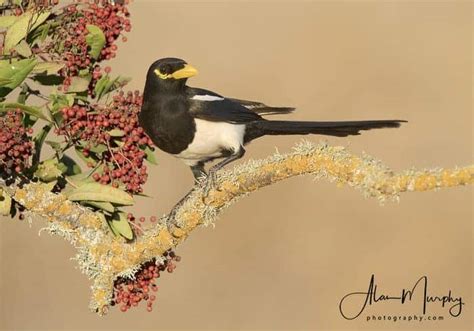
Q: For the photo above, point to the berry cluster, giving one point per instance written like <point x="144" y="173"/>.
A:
<point x="129" y="292"/>
<point x="114" y="127"/>
<point x="110" y="17"/>
<point x="16" y="146"/>
<point x="18" y="6"/>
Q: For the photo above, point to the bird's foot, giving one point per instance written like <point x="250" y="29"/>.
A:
<point x="209" y="184"/>
<point x="172" y="213"/>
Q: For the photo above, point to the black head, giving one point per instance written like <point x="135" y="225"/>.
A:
<point x="169" y="73"/>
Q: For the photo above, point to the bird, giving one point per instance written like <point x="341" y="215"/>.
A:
<point x="199" y="126"/>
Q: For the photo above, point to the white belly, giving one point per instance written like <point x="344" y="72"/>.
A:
<point x="210" y="139"/>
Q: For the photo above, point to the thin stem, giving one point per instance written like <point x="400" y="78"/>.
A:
<point x="69" y="182"/>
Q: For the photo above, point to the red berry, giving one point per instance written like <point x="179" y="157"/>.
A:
<point x="15" y="144"/>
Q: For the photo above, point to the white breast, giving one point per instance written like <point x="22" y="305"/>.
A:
<point x="211" y="138"/>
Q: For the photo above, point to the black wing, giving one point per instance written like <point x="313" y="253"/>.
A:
<point x="263" y="109"/>
<point x="211" y="106"/>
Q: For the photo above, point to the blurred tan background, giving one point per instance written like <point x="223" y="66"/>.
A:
<point x="310" y="243"/>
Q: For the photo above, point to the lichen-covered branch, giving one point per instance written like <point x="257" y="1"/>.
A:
<point x="103" y="257"/>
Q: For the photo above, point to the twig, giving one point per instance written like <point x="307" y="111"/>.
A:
<point x="103" y="257"/>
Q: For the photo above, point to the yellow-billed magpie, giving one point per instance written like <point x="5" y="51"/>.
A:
<point x="199" y="126"/>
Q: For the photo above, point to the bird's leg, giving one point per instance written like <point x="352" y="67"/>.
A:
<point x="211" y="178"/>
<point x="199" y="173"/>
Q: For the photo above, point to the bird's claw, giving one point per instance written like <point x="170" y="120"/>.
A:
<point x="172" y="214"/>
<point x="209" y="184"/>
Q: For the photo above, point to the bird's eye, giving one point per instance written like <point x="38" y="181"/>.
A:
<point x="165" y="69"/>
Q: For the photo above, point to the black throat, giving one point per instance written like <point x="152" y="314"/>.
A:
<point x="165" y="114"/>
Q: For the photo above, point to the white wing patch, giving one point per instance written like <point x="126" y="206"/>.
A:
<point x="206" y="97"/>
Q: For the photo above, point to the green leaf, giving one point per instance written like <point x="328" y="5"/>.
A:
<point x="120" y="224"/>
<point x="5" y="204"/>
<point x="50" y="68"/>
<point x="60" y="101"/>
<point x="122" y="81"/>
<point x="114" y="231"/>
<point x="40" y="34"/>
<point x="108" y="220"/>
<point x="69" y="167"/>
<point x="150" y="155"/>
<point x="79" y="84"/>
<point x="110" y="85"/>
<point x="119" y="143"/>
<point x="23" y="49"/>
<point x="116" y="133"/>
<point x="15" y="71"/>
<point x="6" y="21"/>
<point x="70" y="100"/>
<point x="80" y="179"/>
<point x="116" y="83"/>
<point x="39" y="140"/>
<point x="106" y="85"/>
<point x="99" y="87"/>
<point x="29" y="121"/>
<point x="5" y="81"/>
<point x="54" y="145"/>
<point x="82" y="98"/>
<point x="30" y="110"/>
<point x="44" y="31"/>
<point x="48" y="170"/>
<point x="95" y="40"/>
<point x="107" y="206"/>
<point x="97" y="148"/>
<point x="57" y="117"/>
<point x="19" y="29"/>
<point x="49" y="186"/>
<point x="84" y="72"/>
<point x="60" y="47"/>
<point x="86" y="159"/>
<point x="38" y="18"/>
<point x="99" y="192"/>
<point x="23" y="95"/>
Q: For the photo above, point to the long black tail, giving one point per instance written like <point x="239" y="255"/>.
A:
<point x="339" y="129"/>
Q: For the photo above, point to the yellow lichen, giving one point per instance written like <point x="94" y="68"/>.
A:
<point x="178" y="232"/>
<point x="20" y="195"/>
<point x="90" y="221"/>
<point x="64" y="208"/>
<point x="100" y="295"/>
<point x="103" y="256"/>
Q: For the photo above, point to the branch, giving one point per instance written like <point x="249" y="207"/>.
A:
<point x="103" y="257"/>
